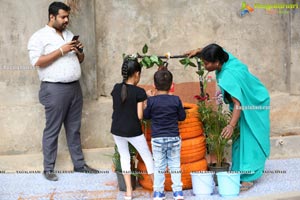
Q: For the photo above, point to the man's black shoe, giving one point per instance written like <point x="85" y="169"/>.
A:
<point x="50" y="175"/>
<point x="86" y="169"/>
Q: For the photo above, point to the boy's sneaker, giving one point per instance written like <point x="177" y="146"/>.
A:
<point x="159" y="195"/>
<point x="178" y="195"/>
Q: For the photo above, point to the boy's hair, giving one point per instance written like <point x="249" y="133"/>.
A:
<point x="163" y="80"/>
<point x="55" y="7"/>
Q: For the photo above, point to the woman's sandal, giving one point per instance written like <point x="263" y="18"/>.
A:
<point x="246" y="186"/>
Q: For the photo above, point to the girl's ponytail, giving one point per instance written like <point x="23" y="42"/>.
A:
<point x="125" y="77"/>
<point x="129" y="67"/>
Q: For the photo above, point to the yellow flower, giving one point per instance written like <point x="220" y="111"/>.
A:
<point x="168" y="55"/>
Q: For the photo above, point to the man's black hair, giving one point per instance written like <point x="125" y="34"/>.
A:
<point x="55" y="7"/>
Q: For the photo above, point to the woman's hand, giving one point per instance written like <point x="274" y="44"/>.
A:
<point x="236" y="113"/>
<point x="193" y="52"/>
<point x="227" y="131"/>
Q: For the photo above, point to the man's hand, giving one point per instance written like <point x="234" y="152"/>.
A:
<point x="70" y="46"/>
<point x="76" y="45"/>
<point x="45" y="60"/>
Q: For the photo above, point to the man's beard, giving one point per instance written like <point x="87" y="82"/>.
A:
<point x="60" y="27"/>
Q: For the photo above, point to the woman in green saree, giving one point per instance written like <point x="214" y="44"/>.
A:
<point x="250" y="105"/>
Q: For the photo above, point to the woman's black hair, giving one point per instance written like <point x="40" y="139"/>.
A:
<point x="55" y="7"/>
<point x="129" y="67"/>
<point x="213" y="53"/>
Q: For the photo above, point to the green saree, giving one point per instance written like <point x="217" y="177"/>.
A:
<point x="252" y="148"/>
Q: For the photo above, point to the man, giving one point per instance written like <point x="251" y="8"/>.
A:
<point x="58" y="59"/>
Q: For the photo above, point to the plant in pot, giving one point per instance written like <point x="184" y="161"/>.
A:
<point x="214" y="118"/>
<point x="116" y="159"/>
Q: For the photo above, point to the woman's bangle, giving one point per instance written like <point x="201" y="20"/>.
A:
<point x="62" y="52"/>
<point x="231" y="126"/>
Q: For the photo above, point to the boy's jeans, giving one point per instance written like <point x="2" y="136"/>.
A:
<point x="166" y="152"/>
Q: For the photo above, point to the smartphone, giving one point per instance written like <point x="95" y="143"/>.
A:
<point x="75" y="37"/>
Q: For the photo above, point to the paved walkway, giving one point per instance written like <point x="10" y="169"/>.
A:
<point x="280" y="181"/>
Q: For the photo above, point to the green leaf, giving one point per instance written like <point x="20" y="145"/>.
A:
<point x="200" y="72"/>
<point x="123" y="55"/>
<point x="184" y="61"/>
<point x="202" y="63"/>
<point x="154" y="59"/>
<point x="160" y="62"/>
<point x="147" y="60"/>
<point x="143" y="63"/>
<point x="151" y="65"/>
<point x="145" y="49"/>
<point x="187" y="62"/>
<point x="192" y="64"/>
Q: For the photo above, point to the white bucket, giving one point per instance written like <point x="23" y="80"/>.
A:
<point x="229" y="184"/>
<point x="203" y="183"/>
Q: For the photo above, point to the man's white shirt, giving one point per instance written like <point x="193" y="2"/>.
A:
<point x="66" y="68"/>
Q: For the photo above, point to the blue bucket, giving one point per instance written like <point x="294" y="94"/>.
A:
<point x="228" y="183"/>
<point x="203" y="183"/>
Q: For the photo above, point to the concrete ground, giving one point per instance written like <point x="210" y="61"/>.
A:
<point x="280" y="181"/>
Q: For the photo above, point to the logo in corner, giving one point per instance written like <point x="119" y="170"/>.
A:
<point x="245" y="9"/>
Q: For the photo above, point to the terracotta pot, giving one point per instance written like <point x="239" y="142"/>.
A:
<point x="193" y="149"/>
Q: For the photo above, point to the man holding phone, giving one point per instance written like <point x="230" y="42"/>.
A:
<point x="57" y="56"/>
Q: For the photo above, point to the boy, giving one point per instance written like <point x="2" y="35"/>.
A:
<point x="165" y="111"/>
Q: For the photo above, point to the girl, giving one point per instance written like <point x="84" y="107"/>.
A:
<point x="127" y="112"/>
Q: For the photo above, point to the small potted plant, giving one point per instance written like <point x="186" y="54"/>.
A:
<point x="116" y="159"/>
<point x="214" y="119"/>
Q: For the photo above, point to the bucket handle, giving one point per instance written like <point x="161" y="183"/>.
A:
<point x="233" y="180"/>
<point x="213" y="183"/>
